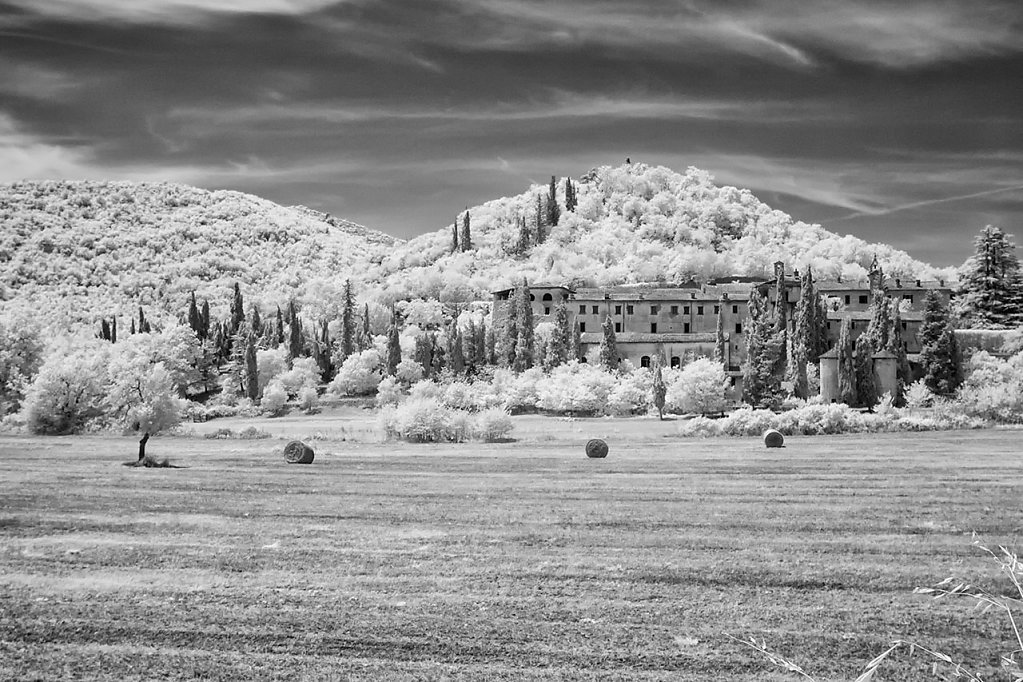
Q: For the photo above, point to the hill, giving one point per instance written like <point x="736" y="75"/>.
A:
<point x="76" y="251"/>
<point x="633" y="223"/>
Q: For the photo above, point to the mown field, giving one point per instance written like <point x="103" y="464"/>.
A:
<point x="510" y="561"/>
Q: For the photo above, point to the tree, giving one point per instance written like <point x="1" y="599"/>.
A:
<point x="659" y="389"/>
<point x="570" y="199"/>
<point x="761" y="384"/>
<point x="113" y="327"/>
<point x="456" y="352"/>
<point x="296" y="342"/>
<point x="524" y="338"/>
<point x="347" y="341"/>
<point x="937" y="347"/>
<point x="323" y="355"/>
<point x="553" y="210"/>
<point x="541" y="218"/>
<point x="104" y="329"/>
<point x="279" y="327"/>
<point x="67" y="392"/>
<point x="809" y="333"/>
<point x="879" y="330"/>
<point x="454" y="236"/>
<point x="466" y="232"/>
<point x="866" y="383"/>
<point x="393" y="347"/>
<point x="720" y="348"/>
<point x="237" y="310"/>
<point x="897" y="347"/>
<point x="366" y="337"/>
<point x="846" y="364"/>
<point x="506" y="336"/>
<point x="525" y="238"/>
<point x="204" y="316"/>
<point x="576" y="349"/>
<point x="561" y="338"/>
<point x="21" y="356"/>
<point x="143" y="398"/>
<point x="609" y="357"/>
<point x="251" y="373"/>
<point x="700" y="387"/>
<point x="991" y="285"/>
<point x="194" y="317"/>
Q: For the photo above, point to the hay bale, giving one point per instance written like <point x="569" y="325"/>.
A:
<point x="297" y="452"/>
<point x="773" y="439"/>
<point x="596" y="448"/>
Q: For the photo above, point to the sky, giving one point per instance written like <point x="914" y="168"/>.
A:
<point x="898" y="121"/>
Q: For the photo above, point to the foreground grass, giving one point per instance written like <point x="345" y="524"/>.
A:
<point x="513" y="561"/>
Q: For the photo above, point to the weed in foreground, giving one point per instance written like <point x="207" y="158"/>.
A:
<point x="1010" y="604"/>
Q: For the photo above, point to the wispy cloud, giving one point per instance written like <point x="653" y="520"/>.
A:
<point x="182" y="12"/>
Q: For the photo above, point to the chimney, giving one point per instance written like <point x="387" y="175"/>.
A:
<point x="898" y="283"/>
<point x="918" y="285"/>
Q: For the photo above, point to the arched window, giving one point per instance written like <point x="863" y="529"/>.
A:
<point x="583" y="360"/>
<point x="548" y="297"/>
<point x="675" y="362"/>
<point x="644" y="361"/>
<point x="532" y="297"/>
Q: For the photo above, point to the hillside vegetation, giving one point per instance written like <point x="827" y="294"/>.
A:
<point x="76" y="251"/>
<point x="633" y="223"/>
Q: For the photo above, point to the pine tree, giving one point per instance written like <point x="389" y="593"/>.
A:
<point x="251" y="374"/>
<point x="454" y="236"/>
<point x="846" y="364"/>
<point x="938" y="347"/>
<point x="761" y="384"/>
<point x="570" y="200"/>
<point x="524" y="336"/>
<point x="347" y="345"/>
<point x="660" y="391"/>
<point x="561" y="338"/>
<point x="553" y="210"/>
<point x="990" y="283"/>
<point x="466" y="232"/>
<point x="866" y="383"/>
<point x="609" y="357"/>
<point x="393" y="347"/>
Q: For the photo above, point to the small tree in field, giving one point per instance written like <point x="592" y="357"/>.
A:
<point x="143" y="399"/>
<point x="700" y="387"/>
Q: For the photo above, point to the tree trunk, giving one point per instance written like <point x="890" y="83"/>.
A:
<point x="142" y="446"/>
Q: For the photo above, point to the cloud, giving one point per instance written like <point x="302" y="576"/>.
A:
<point x="182" y="12"/>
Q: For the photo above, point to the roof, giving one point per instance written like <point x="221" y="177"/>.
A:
<point x="904" y="315"/>
<point x="644" y="337"/>
<point x="536" y="286"/>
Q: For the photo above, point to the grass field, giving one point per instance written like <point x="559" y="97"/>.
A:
<point x="510" y="561"/>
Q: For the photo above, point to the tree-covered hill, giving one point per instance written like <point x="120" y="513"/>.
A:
<point x="76" y="251"/>
<point x="632" y="223"/>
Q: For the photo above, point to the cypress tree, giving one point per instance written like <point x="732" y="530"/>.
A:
<point x="576" y="350"/>
<point x="846" y="364"/>
<point x="553" y="210"/>
<point x="781" y="327"/>
<point x="938" y="347"/>
<point x="393" y="347"/>
<point x="466" y="232"/>
<point x="990" y="292"/>
<point x="570" y="200"/>
<point x="132" y="329"/>
<point x="257" y="322"/>
<point x="279" y="327"/>
<point x="347" y="345"/>
<point x="143" y="326"/>
<point x="237" y="309"/>
<point x="251" y="373"/>
<point x="422" y="353"/>
<point x="720" y="350"/>
<point x="561" y="338"/>
<point x="454" y="236"/>
<point x="366" y="339"/>
<point x="540" y="218"/>
<point x="897" y="347"/>
<point x="438" y="361"/>
<point x="205" y="320"/>
<point x="761" y="383"/>
<point x="523" y="244"/>
<point x="296" y="347"/>
<point x="866" y="384"/>
<point x="457" y="353"/>
<point x="609" y="346"/>
<point x="490" y="342"/>
<point x="470" y="347"/>
<point x="104" y="329"/>
<point x="810" y="322"/>
<point x="524" y="337"/>
<point x="879" y="330"/>
<point x="506" y="337"/>
<point x="323" y="355"/>
<point x="660" y="391"/>
<point x="113" y="329"/>
<point x="194" y="318"/>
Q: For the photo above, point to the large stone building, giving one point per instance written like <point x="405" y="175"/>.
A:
<point x="680" y="321"/>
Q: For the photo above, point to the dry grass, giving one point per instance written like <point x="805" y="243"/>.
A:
<point x="507" y="561"/>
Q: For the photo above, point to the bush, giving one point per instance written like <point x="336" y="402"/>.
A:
<point x="993" y="389"/>
<point x="308" y="399"/>
<point x="67" y="393"/>
<point x="304" y="373"/>
<point x="359" y="375"/>
<point x="492" y="424"/>
<point x="700" y="388"/>
<point x="389" y="392"/>
<point x="425" y="421"/>
<point x="274" y="399"/>
<point x="576" y="387"/>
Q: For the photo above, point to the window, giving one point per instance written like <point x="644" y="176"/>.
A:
<point x="685" y="310"/>
<point x="863" y="298"/>
<point x="848" y="299"/>
<point x="582" y="310"/>
<point x="532" y="297"/>
<point x="644" y="361"/>
<point x="904" y="326"/>
<point x="675" y="362"/>
<point x="717" y="309"/>
<point x="907" y="297"/>
<point x="654" y="309"/>
<point x="829" y="325"/>
<point x="735" y="310"/>
<point x="629" y="309"/>
<point x="674" y="310"/>
<point x="618" y="310"/>
<point x="653" y="327"/>
<point x="546" y="310"/>
<point x="582" y="327"/>
<point x="547" y="297"/>
<point x="593" y="309"/>
<point x="733" y="381"/>
<point x="738" y="327"/>
<point x="685" y="327"/>
<point x="618" y="327"/>
<point x="699" y="310"/>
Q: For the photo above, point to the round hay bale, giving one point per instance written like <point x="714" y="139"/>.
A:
<point x="773" y="439"/>
<point x="596" y="448"/>
<point x="297" y="452"/>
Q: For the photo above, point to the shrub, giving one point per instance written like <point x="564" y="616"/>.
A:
<point x="492" y="424"/>
<point x="918" y="395"/>
<point x="359" y="375"/>
<point x="270" y="364"/>
<point x="409" y="371"/>
<point x="700" y="388"/>
<point x="303" y="374"/>
<point x="576" y="387"/>
<point x="389" y="392"/>
<point x="308" y="399"/>
<point x="701" y="427"/>
<point x="66" y="393"/>
<point x="425" y="421"/>
<point x="274" y="399"/>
